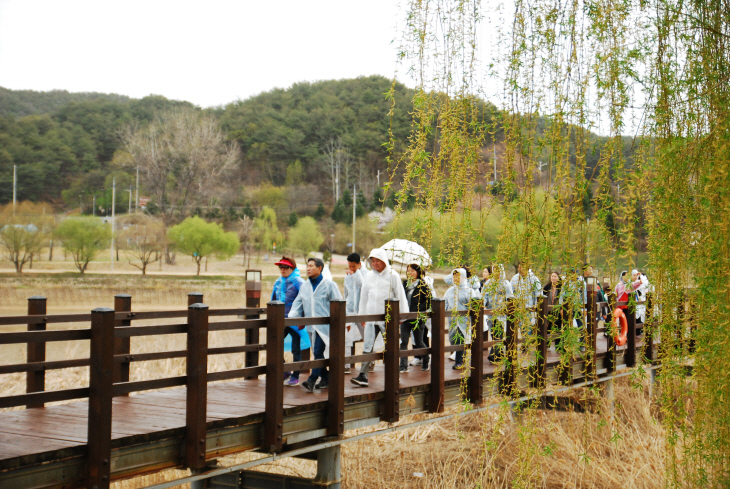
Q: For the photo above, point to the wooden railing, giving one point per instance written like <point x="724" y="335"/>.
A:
<point x="110" y="332"/>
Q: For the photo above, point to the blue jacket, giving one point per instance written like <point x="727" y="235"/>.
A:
<point x="287" y="289"/>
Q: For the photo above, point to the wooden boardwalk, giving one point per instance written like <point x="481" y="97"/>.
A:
<point x="54" y="446"/>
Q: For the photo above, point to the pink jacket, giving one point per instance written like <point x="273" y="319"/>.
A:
<point x="623" y="289"/>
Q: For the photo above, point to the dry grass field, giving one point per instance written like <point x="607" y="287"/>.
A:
<point x="490" y="449"/>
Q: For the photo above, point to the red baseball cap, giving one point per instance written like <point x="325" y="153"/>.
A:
<point x="285" y="262"/>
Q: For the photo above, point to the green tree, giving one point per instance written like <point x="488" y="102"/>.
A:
<point x="305" y="236"/>
<point x="295" y="173"/>
<point x="23" y="232"/>
<point x="339" y="213"/>
<point x="84" y="238"/>
<point x="293" y="219"/>
<point x="265" y="229"/>
<point x="247" y="211"/>
<point x="270" y="196"/>
<point x="320" y="212"/>
<point x="377" y="200"/>
<point x="201" y="239"/>
<point x="362" y="204"/>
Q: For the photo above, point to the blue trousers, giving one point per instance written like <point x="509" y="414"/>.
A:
<point x="296" y="351"/>
<point x="319" y="373"/>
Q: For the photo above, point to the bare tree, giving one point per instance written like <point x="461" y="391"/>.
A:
<point x="338" y="161"/>
<point x="143" y="239"/>
<point x="247" y="238"/>
<point x="183" y="157"/>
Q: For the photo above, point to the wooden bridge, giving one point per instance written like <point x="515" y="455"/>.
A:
<point x="188" y="421"/>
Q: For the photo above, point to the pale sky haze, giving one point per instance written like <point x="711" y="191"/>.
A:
<point x="209" y="53"/>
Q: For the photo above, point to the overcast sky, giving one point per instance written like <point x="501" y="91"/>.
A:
<point x="209" y="53"/>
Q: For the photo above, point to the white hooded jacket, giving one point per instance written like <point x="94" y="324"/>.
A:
<point x="496" y="291"/>
<point x="378" y="287"/>
<point x="528" y="288"/>
<point x="457" y="298"/>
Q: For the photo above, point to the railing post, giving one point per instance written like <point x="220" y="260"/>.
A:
<point x="476" y="373"/>
<point x="591" y="328"/>
<point x="438" y="324"/>
<point x="391" y="359"/>
<point x="649" y="328"/>
<point x="609" y="361"/>
<point x="197" y="386"/>
<point x="542" y="344"/>
<point x="36" y="351"/>
<point x="253" y="299"/>
<point x="509" y="375"/>
<point x="336" y="394"/>
<point x="122" y="303"/>
<point x="101" y="371"/>
<point x="195" y="298"/>
<point x="630" y="355"/>
<point x="274" y="415"/>
<point x="693" y="310"/>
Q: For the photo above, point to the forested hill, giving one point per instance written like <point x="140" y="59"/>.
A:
<point x="19" y="103"/>
<point x="66" y="142"/>
<point x="69" y="148"/>
<point x="279" y="127"/>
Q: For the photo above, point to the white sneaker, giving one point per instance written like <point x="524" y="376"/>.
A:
<point x="416" y="361"/>
<point x="452" y="357"/>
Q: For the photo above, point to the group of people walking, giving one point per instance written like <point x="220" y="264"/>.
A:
<point x="366" y="292"/>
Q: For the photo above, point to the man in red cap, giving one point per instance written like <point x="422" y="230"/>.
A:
<point x="286" y="289"/>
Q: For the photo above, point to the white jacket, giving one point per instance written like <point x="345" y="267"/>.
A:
<point x="457" y="299"/>
<point x="378" y="287"/>
<point x="496" y="291"/>
<point x="526" y="289"/>
<point x="316" y="303"/>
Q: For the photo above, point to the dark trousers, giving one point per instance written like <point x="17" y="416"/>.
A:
<point x="296" y="350"/>
<point x="419" y="331"/>
<point x="319" y="373"/>
<point x="497" y="329"/>
<point x="459" y="340"/>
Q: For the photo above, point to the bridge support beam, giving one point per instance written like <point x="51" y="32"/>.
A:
<point x="329" y="464"/>
<point x="609" y="395"/>
<point x="328" y="476"/>
<point x="652" y="381"/>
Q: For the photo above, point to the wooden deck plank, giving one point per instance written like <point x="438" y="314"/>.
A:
<point x="53" y="428"/>
<point x="13" y="445"/>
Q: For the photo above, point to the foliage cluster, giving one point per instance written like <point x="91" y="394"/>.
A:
<point x="566" y="68"/>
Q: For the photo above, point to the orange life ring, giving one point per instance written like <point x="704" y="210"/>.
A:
<point x="620" y="317"/>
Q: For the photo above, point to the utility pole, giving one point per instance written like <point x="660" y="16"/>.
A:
<point x="337" y="182"/>
<point x="354" y="215"/>
<point x="15" y="185"/>
<point x="136" y="189"/>
<point x="114" y="194"/>
<point x="93" y="206"/>
<point x="130" y="199"/>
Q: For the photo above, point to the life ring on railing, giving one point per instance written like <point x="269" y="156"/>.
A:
<point x="623" y="326"/>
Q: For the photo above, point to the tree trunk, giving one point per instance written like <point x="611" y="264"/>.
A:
<point x="31" y="261"/>
<point x="198" y="262"/>
<point x="206" y="264"/>
<point x="50" y="252"/>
